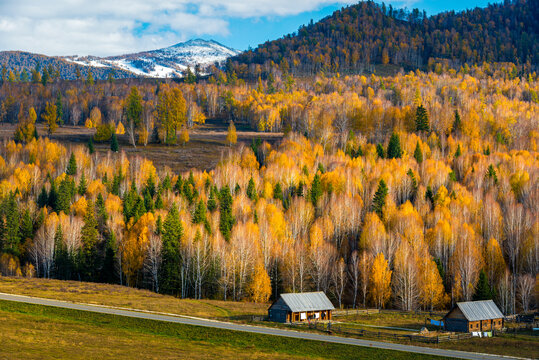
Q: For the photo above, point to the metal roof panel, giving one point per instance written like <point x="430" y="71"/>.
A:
<point x="480" y="310"/>
<point x="310" y="301"/>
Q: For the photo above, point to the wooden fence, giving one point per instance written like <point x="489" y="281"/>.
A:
<point x="346" y="312"/>
<point x="332" y="328"/>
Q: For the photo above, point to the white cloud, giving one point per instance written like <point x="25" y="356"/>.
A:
<point x="111" y="27"/>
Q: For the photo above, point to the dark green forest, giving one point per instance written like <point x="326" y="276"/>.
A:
<point x="356" y="37"/>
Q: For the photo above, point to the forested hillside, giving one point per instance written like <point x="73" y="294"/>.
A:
<point x="365" y="34"/>
<point x="18" y="66"/>
<point x="407" y="191"/>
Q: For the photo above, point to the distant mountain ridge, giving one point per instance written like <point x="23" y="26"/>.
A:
<point x="368" y="34"/>
<point x="169" y="62"/>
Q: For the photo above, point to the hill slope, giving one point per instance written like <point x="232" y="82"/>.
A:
<point x="368" y="33"/>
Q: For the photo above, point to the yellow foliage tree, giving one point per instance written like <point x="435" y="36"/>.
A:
<point x="259" y="288"/>
<point x="431" y="287"/>
<point x="120" y="129"/>
<point x="50" y="117"/>
<point x="134" y="246"/>
<point x="380" y="281"/>
<point x="231" y="136"/>
<point x="184" y="136"/>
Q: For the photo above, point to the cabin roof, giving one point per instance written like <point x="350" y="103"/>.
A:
<point x="309" y="301"/>
<point x="479" y="310"/>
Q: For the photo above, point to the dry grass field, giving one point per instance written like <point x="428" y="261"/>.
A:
<point x="123" y="296"/>
<point x="203" y="151"/>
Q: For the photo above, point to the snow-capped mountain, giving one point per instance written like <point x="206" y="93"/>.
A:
<point x="167" y="62"/>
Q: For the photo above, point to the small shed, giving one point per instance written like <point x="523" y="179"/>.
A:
<point x="472" y="316"/>
<point x="297" y="307"/>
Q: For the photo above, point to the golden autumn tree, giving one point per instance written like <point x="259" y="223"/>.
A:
<point x="466" y="262"/>
<point x="184" y="136"/>
<point x="134" y="247"/>
<point x="431" y="287"/>
<point x="50" y="117"/>
<point x="494" y="261"/>
<point x="259" y="288"/>
<point x="380" y="281"/>
<point x="231" y="136"/>
<point x="25" y="130"/>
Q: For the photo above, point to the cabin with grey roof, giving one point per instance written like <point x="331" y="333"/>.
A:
<point x="474" y="316"/>
<point x="298" y="307"/>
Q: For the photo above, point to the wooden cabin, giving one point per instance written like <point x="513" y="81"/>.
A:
<point x="474" y="316"/>
<point x="298" y="307"/>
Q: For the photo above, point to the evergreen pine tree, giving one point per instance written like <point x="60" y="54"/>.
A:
<point x="12" y="233"/>
<point x="166" y="183"/>
<point x="159" y="201"/>
<point x="72" y="166"/>
<point x="59" y="108"/>
<point x="43" y="198"/>
<point x="429" y="195"/>
<point x="226" y="219"/>
<point x="108" y="271"/>
<point x="251" y="190"/>
<point x="491" y="174"/>
<point x="457" y="123"/>
<point x="359" y="151"/>
<point x="66" y="192"/>
<point x="278" y="192"/>
<point x="413" y="179"/>
<point x="61" y="257"/>
<point x="178" y="186"/>
<point x="27" y="226"/>
<point x="148" y="200"/>
<point x="379" y="200"/>
<point x="380" y="151"/>
<point x="114" y="146"/>
<point x="83" y="186"/>
<point x="422" y="119"/>
<point x="418" y="154"/>
<point x="212" y="203"/>
<point x="483" y="290"/>
<point x="52" y="199"/>
<point x="91" y="149"/>
<point x="89" y="256"/>
<point x="139" y="209"/>
<point x="45" y="77"/>
<point x="101" y="213"/>
<point x="316" y="190"/>
<point x="458" y="152"/>
<point x="169" y="275"/>
<point x="130" y="200"/>
<point x="199" y="215"/>
<point x="159" y="225"/>
<point x="116" y="183"/>
<point x="394" y="150"/>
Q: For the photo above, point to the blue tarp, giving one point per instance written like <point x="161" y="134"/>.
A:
<point x="439" y="323"/>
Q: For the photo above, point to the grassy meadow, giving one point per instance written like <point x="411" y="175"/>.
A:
<point x="39" y="332"/>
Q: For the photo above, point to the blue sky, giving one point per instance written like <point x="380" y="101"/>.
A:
<point x="113" y="27"/>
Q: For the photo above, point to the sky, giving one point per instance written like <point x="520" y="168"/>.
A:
<point x="114" y="27"/>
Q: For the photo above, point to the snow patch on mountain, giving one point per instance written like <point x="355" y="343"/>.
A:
<point x="168" y="62"/>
